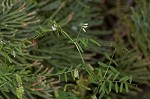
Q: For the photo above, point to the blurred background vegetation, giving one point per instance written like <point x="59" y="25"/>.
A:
<point x="50" y="66"/>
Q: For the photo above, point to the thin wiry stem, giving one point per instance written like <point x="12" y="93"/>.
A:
<point x="109" y="63"/>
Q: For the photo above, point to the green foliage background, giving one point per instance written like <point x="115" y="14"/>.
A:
<point x="110" y="60"/>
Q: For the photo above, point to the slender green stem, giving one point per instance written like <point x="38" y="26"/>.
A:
<point x="75" y="44"/>
<point x="79" y="33"/>
<point x="109" y="63"/>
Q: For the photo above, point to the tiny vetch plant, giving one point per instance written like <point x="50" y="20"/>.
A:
<point x="84" y="26"/>
<point x="54" y="27"/>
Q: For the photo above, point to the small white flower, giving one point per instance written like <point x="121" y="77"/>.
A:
<point x="14" y="54"/>
<point x="84" y="29"/>
<point x="54" y="28"/>
<point x="3" y="42"/>
<point x="84" y="26"/>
